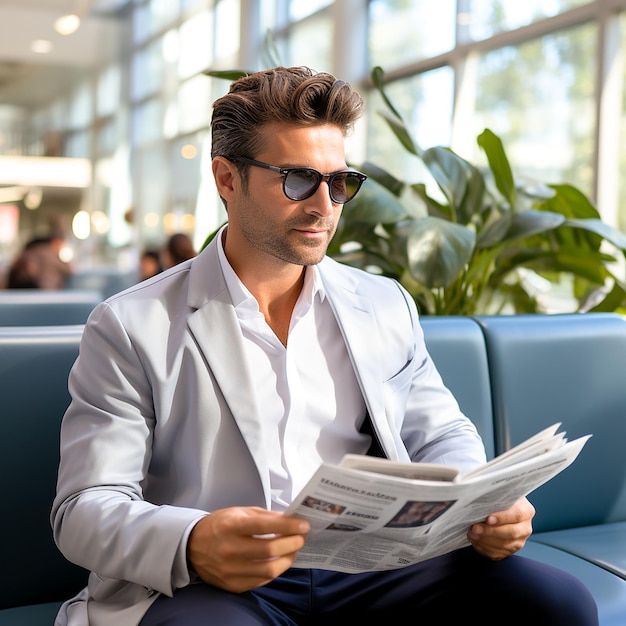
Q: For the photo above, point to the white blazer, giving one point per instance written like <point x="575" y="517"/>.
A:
<point x="164" y="423"/>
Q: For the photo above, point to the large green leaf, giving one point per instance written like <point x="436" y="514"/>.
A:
<point x="472" y="203"/>
<point x="374" y="204"/>
<point x="499" y="164"/>
<point x="537" y="192"/>
<point x="589" y="267"/>
<point x="227" y="74"/>
<point x="571" y="202"/>
<point x="528" y="223"/>
<point x="400" y="130"/>
<point x="494" y="232"/>
<point x="379" y="83"/>
<point x="368" y="260"/>
<point x="438" y="251"/>
<point x="600" y="228"/>
<point x="382" y="176"/>
<point x="450" y="173"/>
<point x="434" y="208"/>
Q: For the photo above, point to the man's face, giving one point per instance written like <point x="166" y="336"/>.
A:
<point x="270" y="225"/>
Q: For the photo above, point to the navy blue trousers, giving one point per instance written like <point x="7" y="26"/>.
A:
<point x="516" y="590"/>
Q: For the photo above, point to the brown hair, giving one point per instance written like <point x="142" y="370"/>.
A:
<point x="294" y="95"/>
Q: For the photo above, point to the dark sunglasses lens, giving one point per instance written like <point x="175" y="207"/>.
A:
<point x="343" y="187"/>
<point x="300" y="184"/>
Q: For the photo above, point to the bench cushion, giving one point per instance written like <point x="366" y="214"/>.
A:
<point x="33" y="615"/>
<point x="603" y="545"/>
<point x="34" y="366"/>
<point x="609" y="591"/>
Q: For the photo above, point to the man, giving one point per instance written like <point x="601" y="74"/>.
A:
<point x="203" y="400"/>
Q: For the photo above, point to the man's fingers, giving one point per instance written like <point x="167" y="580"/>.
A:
<point x="239" y="548"/>
<point x="257" y="522"/>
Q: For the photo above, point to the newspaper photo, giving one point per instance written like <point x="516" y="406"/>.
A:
<point x="370" y="514"/>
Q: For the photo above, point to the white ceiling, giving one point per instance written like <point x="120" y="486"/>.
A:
<point x="29" y="79"/>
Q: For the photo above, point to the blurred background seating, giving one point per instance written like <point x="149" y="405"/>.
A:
<point x="36" y="307"/>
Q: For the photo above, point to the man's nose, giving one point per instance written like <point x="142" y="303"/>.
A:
<point x="320" y="202"/>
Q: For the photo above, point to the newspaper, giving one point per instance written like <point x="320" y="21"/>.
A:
<point x="369" y="514"/>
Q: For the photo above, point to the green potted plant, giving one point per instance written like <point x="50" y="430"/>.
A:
<point x="484" y="247"/>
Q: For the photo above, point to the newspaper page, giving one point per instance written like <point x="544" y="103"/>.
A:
<point x="367" y="520"/>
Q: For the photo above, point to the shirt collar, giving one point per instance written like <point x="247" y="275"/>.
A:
<point x="244" y="301"/>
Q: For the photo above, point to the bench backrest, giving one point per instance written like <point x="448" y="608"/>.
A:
<point x="457" y="346"/>
<point x="34" y="366"/>
<point x="568" y="368"/>
<point x="106" y="280"/>
<point x="36" y="307"/>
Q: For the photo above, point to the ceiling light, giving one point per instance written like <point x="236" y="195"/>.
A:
<point x="67" y="24"/>
<point x="189" y="151"/>
<point x="41" y="46"/>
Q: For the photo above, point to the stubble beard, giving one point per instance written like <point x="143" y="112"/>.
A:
<point x="301" y="252"/>
<point x="283" y="241"/>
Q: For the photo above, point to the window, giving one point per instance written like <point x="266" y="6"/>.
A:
<point x="485" y="18"/>
<point x="425" y="103"/>
<point x="539" y="98"/>
<point x="401" y="32"/>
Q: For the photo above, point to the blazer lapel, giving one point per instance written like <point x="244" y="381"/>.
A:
<point x="215" y="328"/>
<point x="358" y="327"/>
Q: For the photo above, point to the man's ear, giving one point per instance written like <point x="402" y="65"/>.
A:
<point x="226" y="176"/>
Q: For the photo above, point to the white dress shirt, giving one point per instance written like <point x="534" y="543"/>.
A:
<point x="313" y="407"/>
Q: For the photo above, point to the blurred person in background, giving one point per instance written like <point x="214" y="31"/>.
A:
<point x="39" y="265"/>
<point x="150" y="263"/>
<point x="23" y="272"/>
<point x="178" y="248"/>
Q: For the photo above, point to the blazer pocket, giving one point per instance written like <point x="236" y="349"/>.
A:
<point x="396" y="391"/>
<point x="400" y="378"/>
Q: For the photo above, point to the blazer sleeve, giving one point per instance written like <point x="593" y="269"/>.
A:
<point x="434" y="429"/>
<point x="99" y="517"/>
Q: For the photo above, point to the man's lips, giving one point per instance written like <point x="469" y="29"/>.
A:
<point x="313" y="230"/>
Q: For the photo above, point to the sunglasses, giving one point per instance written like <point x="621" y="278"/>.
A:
<point x="300" y="183"/>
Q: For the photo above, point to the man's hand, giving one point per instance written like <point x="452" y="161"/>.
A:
<point x="503" y="533"/>
<point x="239" y="548"/>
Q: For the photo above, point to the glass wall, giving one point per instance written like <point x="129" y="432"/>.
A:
<point x="547" y="76"/>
